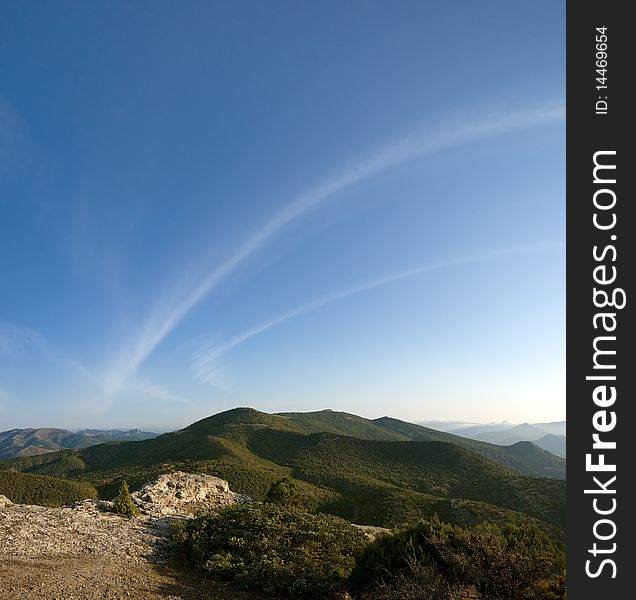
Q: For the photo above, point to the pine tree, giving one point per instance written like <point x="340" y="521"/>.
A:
<point x="123" y="504"/>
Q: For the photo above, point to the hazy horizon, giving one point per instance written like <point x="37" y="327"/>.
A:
<point x="209" y="206"/>
<point x="163" y="429"/>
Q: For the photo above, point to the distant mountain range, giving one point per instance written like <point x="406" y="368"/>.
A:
<point x="379" y="472"/>
<point x="30" y="442"/>
<point x="549" y="436"/>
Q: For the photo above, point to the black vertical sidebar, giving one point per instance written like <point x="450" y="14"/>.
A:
<point x="601" y="295"/>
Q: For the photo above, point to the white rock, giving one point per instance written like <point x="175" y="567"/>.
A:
<point x="185" y="494"/>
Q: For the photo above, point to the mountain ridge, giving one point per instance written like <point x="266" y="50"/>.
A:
<point x="550" y="436"/>
<point x="33" y="441"/>
<point x="386" y="482"/>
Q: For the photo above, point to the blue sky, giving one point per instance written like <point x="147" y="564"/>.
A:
<point x="284" y="205"/>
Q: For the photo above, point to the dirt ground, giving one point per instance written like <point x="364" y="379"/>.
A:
<point x="83" y="554"/>
<point x="70" y="578"/>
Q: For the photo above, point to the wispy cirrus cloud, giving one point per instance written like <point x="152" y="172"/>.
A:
<point x="153" y="390"/>
<point x="205" y="366"/>
<point x="16" y="340"/>
<point x="173" y="308"/>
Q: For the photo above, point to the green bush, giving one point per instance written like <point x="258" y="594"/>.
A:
<point x="285" y="492"/>
<point x="278" y="550"/>
<point x="501" y="563"/>
<point x="512" y="561"/>
<point x="123" y="504"/>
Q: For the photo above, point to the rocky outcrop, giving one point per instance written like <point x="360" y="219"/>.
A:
<point x="87" y="551"/>
<point x="91" y="528"/>
<point x="82" y="530"/>
<point x="371" y="531"/>
<point x="185" y="494"/>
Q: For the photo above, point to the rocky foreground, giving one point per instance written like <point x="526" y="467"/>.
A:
<point x="87" y="552"/>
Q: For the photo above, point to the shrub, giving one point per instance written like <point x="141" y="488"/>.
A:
<point x="552" y="588"/>
<point x="510" y="561"/>
<point x="392" y="554"/>
<point x="418" y="582"/>
<point x="278" y="550"/>
<point x="123" y="504"/>
<point x="285" y="492"/>
<point x="501" y="563"/>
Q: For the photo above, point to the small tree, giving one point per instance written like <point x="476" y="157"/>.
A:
<point x="285" y="492"/>
<point x="123" y="504"/>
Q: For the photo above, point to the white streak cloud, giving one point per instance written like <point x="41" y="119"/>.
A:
<point x="204" y="360"/>
<point x="154" y="390"/>
<point x="168" y="314"/>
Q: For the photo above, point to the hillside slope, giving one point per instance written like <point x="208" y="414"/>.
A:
<point x="553" y="443"/>
<point x="27" y="488"/>
<point x="526" y="458"/>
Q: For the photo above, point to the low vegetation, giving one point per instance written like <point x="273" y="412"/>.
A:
<point x="285" y="492"/>
<point x="437" y="561"/>
<point x="278" y="550"/>
<point x="284" y="552"/>
<point x="26" y="488"/>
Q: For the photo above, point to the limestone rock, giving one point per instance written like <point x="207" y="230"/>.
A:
<point x="28" y="532"/>
<point x="371" y="531"/>
<point x="185" y="494"/>
<point x="93" y="506"/>
<point x="90" y="528"/>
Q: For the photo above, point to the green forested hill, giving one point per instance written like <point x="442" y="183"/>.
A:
<point x="524" y="457"/>
<point x="330" y="421"/>
<point x="27" y="488"/>
<point x="413" y="472"/>
<point x="372" y="475"/>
